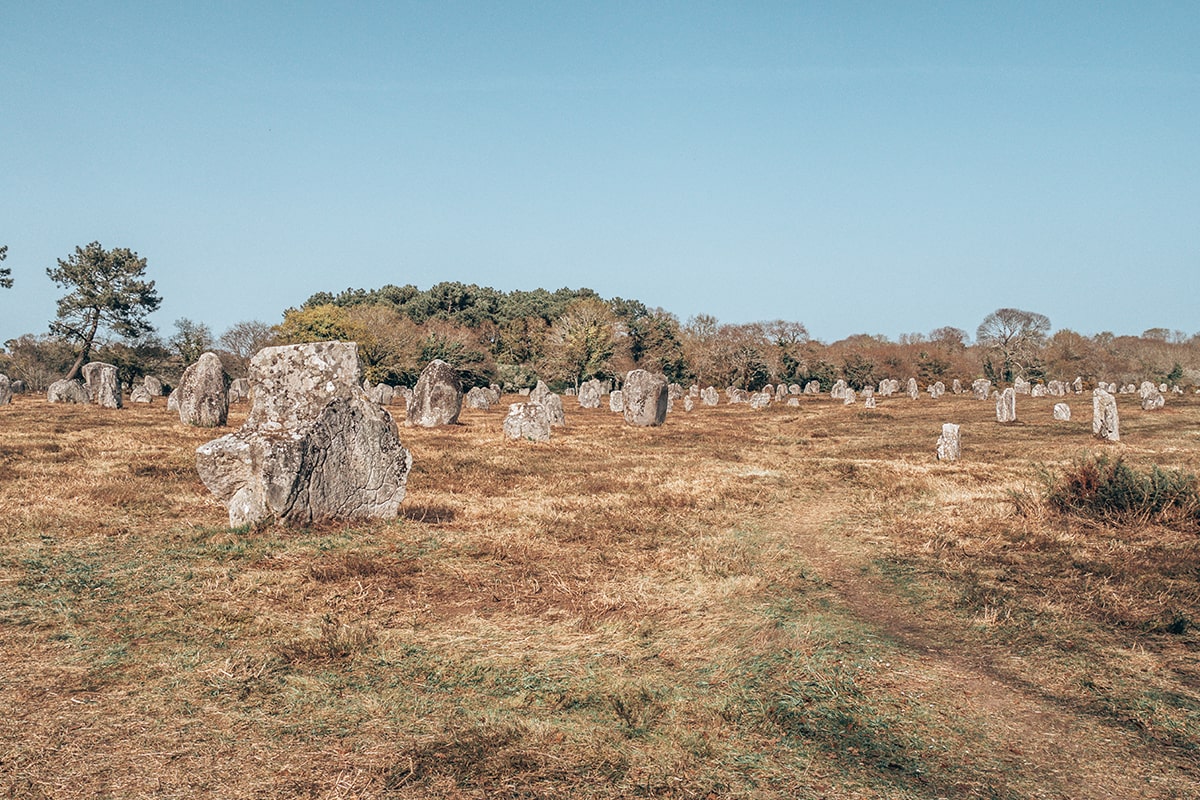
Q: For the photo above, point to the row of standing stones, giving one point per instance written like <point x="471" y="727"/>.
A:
<point x="317" y="444"/>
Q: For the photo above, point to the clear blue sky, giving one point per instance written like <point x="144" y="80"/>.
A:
<point x="859" y="167"/>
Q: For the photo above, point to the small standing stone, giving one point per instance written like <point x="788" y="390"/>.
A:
<point x="1105" y="423"/>
<point x="913" y="391"/>
<point x="709" y="396"/>
<point x="527" y="421"/>
<point x="554" y="409"/>
<point x="982" y="389"/>
<point x="688" y="403"/>
<point x="812" y="387"/>
<point x="589" y="394"/>
<point x="65" y="391"/>
<point x="6" y="392"/>
<point x="437" y="397"/>
<point x="1006" y="406"/>
<point x="949" y="447"/>
<point x="616" y="401"/>
<point x="1151" y="396"/>
<point x="103" y="388"/>
<point x="760" y="400"/>
<point x="1062" y="412"/>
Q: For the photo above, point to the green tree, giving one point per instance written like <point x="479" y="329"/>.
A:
<point x="107" y="290"/>
<point x="584" y="341"/>
<point x="191" y="340"/>
<point x="6" y="280"/>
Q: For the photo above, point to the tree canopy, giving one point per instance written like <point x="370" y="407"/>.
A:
<point x="106" y="291"/>
<point x="6" y="280"/>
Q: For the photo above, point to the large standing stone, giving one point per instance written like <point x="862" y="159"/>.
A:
<point x="645" y="398"/>
<point x="589" y="394"/>
<point x="437" y="397"/>
<point x="527" y="421"/>
<point x="65" y="391"/>
<point x="103" y="387"/>
<point x="616" y="401"/>
<point x="709" y="396"/>
<point x="949" y="447"/>
<point x="314" y="446"/>
<point x="1006" y="406"/>
<point x="1105" y="424"/>
<point x="6" y="392"/>
<point x="204" y="393"/>
<point x="1062" y="412"/>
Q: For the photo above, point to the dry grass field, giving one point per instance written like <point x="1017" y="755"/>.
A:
<point x="790" y="603"/>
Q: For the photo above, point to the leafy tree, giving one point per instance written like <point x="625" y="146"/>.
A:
<point x="1014" y="337"/>
<point x="191" y="340"/>
<point x="107" y="290"/>
<point x="6" y="280"/>
<point x="584" y="341"/>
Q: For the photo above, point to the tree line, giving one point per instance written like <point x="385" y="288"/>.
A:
<point x="565" y="337"/>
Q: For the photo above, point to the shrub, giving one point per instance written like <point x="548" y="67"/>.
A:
<point x="1100" y="487"/>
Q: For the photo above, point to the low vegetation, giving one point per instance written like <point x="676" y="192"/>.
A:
<point x="796" y="602"/>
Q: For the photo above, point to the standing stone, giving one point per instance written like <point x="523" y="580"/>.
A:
<point x="539" y="392"/>
<point x="589" y="394"/>
<point x="437" y="397"/>
<point x="479" y="397"/>
<point x="1078" y="385"/>
<point x="173" y="400"/>
<point x="554" y="409"/>
<point x="869" y="402"/>
<point x="18" y="386"/>
<point x="1020" y="385"/>
<point x="616" y="401"/>
<point x="204" y="393"/>
<point x="1037" y="390"/>
<point x="688" y="403"/>
<point x="6" y="392"/>
<point x="382" y="394"/>
<point x="402" y="393"/>
<point x="102" y="385"/>
<point x="1151" y="396"/>
<point x="733" y="395"/>
<point x="795" y="388"/>
<point x="913" y="391"/>
<point x="1006" y="406"/>
<point x="848" y="397"/>
<point x="937" y="390"/>
<point x="838" y="392"/>
<point x="982" y="389"/>
<point x="1105" y="424"/>
<point x="141" y="394"/>
<point x="65" y="391"/>
<point x="645" y="398"/>
<point x="154" y="386"/>
<point x="314" y="446"/>
<point x="956" y="386"/>
<point x="709" y="396"/>
<point x="527" y="421"/>
<point x="674" y="392"/>
<point x="760" y="400"/>
<point x="781" y="393"/>
<point x="1062" y="412"/>
<point x="239" y="390"/>
<point x="949" y="447"/>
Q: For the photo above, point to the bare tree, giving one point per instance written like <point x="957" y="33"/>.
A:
<point x="1014" y="337"/>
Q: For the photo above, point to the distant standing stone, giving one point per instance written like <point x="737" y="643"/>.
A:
<point x="554" y="409"/>
<point x="956" y="386"/>
<point x="154" y="385"/>
<point x="103" y="388"/>
<point x="838" y="392"/>
<point x="479" y="397"/>
<point x="982" y="389"/>
<point x="616" y="401"/>
<point x="1006" y="406"/>
<point x="589" y="394"/>
<point x="812" y="387"/>
<point x="645" y="398"/>
<point x="760" y="400"/>
<point x="539" y="392"/>
<point x="437" y="397"/>
<point x="709" y="396"/>
<point x="1062" y="412"/>
<point x="848" y="397"/>
<point x="6" y="392"/>
<point x="1151" y="396"/>
<point x="948" y="445"/>
<point x="1105" y="424"/>
<point x="527" y="421"/>
<point x="913" y="391"/>
<point x="67" y="392"/>
<point x="688" y="403"/>
<point x="204" y="393"/>
<point x="141" y="394"/>
<point x="869" y="402"/>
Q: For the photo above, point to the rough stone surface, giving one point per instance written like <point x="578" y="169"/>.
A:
<point x="838" y="392"/>
<point x="1062" y="412"/>
<point x="1006" y="406"/>
<point x="1105" y="423"/>
<point x="72" y="391"/>
<point x="1151" y="396"/>
<point x="616" y="401"/>
<point x="18" y="386"/>
<point x="6" y="392"/>
<point x="539" y="392"/>
<point x="314" y="446"/>
<point x="645" y="398"/>
<point x="154" y="386"/>
<point x="437" y="398"/>
<point x="956" y="386"/>
<point x="812" y="387"/>
<point x="688" y="403"/>
<point x="913" y="390"/>
<point x="869" y="402"/>
<point x="589" y="394"/>
<point x="1020" y="385"/>
<point x="141" y="394"/>
<point x="709" y="396"/>
<point x="937" y="389"/>
<point x="949" y="446"/>
<point x="103" y="388"/>
<point x="734" y="395"/>
<point x="479" y="397"/>
<point x="173" y="400"/>
<point x="204" y="393"/>
<point x="849" y="397"/>
<point x="760" y="400"/>
<point x="554" y="409"/>
<point x="527" y="421"/>
<point x="982" y="389"/>
<point x="382" y="394"/>
<point x="1078" y="385"/>
<point x="239" y="390"/>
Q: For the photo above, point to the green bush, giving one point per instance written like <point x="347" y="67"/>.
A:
<point x="1100" y="487"/>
